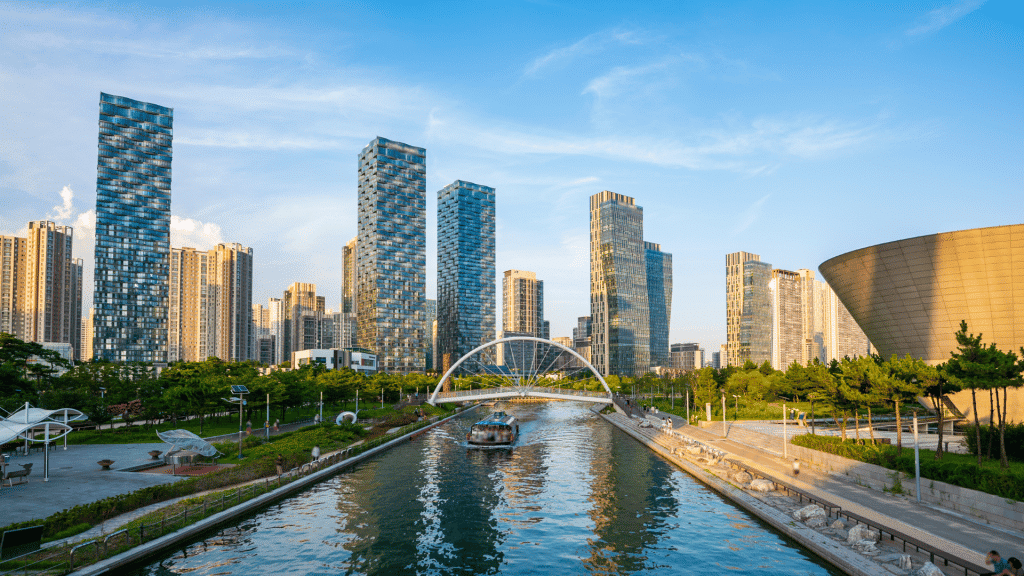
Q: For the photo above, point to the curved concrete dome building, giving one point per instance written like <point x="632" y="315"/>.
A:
<point x="909" y="296"/>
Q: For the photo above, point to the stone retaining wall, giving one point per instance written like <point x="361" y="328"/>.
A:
<point x="978" y="505"/>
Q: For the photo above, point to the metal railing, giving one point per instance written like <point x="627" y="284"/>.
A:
<point x="514" y="391"/>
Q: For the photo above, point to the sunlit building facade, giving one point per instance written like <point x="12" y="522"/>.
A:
<point x="659" y="301"/>
<point x="465" y="269"/>
<point x="391" y="255"/>
<point x="133" y="217"/>
<point x="748" y="309"/>
<point x="787" y="318"/>
<point x="621" y="291"/>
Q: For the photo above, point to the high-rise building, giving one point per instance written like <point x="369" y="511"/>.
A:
<point x="522" y="303"/>
<point x="210" y="310"/>
<point x="348" y="280"/>
<point x="843" y="336"/>
<point x="465" y="269"/>
<point x="133" y="219"/>
<point x="748" y="309"/>
<point x="787" y="318"/>
<point x="391" y="254"/>
<point x="302" y="319"/>
<point x="86" y="336"/>
<point x="716" y="360"/>
<point x="659" y="300"/>
<point x="12" y="271"/>
<point x="41" y="286"/>
<point x="686" y="357"/>
<point x="266" y="332"/>
<point x="430" y="307"/>
<point x="581" y="339"/>
<point x="620" y="295"/>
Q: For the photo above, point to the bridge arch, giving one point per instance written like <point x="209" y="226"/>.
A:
<point x="499" y="341"/>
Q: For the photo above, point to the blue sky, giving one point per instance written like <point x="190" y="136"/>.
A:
<point x="794" y="130"/>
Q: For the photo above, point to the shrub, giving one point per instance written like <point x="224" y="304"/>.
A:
<point x="1014" y="440"/>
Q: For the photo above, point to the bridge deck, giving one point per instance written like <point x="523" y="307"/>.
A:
<point x="531" y="392"/>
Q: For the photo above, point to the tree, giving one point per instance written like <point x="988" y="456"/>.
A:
<point x="903" y="386"/>
<point x="936" y="385"/>
<point x="973" y="364"/>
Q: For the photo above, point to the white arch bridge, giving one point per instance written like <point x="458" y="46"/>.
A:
<point x="524" y="370"/>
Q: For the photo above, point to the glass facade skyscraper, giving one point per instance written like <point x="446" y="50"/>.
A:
<point x="622" y="314"/>
<point x="391" y="255"/>
<point x="133" y="219"/>
<point x="659" y="300"/>
<point x="465" y="269"/>
<point x="755" y="329"/>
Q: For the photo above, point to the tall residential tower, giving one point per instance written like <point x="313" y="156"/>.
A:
<point x="391" y="255"/>
<point x="133" y="230"/>
<point x="465" y="269"/>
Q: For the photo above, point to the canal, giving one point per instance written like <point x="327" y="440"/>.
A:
<point x="575" y="495"/>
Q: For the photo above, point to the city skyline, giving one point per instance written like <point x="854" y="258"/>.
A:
<point x="684" y="111"/>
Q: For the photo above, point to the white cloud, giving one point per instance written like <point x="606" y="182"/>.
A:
<point x="941" y="17"/>
<point x="588" y="45"/>
<point x="63" y="211"/>
<point x="751" y="214"/>
<point x="186" y="232"/>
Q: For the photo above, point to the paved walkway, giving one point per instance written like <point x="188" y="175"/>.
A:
<point x="76" y="478"/>
<point x="943" y="529"/>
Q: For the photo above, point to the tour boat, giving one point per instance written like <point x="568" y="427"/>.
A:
<point x="498" y="429"/>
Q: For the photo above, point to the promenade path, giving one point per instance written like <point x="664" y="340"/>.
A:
<point x="966" y="538"/>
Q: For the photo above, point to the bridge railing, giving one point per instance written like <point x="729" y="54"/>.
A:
<point x="514" y="391"/>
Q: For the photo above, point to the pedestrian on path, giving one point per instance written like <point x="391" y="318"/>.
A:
<point x="279" y="463"/>
<point x="316" y="452"/>
<point x="248" y="427"/>
<point x="999" y="566"/>
<point x="276" y="422"/>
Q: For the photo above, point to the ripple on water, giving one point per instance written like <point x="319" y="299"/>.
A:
<point x="574" y="495"/>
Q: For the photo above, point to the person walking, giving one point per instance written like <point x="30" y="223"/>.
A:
<point x="248" y="427"/>
<point x="279" y="463"/>
<point x="316" y="452"/>
<point x="276" y="422"/>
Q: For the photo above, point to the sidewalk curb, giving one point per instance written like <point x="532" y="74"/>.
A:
<point x="153" y="547"/>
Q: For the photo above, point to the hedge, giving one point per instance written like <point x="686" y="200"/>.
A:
<point x="1002" y="483"/>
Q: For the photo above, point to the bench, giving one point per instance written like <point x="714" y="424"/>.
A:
<point x="21" y="475"/>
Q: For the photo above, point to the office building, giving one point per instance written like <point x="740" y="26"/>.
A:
<point x="686" y="357"/>
<point x="86" y="336"/>
<point x="348" y="280"/>
<point x="748" y="309"/>
<point x="522" y="303"/>
<point x="362" y="361"/>
<point x="133" y="217"/>
<point x="391" y="255"/>
<point x="430" y="307"/>
<point x="621" y="310"/>
<point x="716" y="360"/>
<point x="465" y="269"/>
<point x="787" y="318"/>
<point x="659" y="301"/>
<point x="210" y="309"/>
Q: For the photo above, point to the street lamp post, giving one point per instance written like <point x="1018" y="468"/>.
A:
<point x="736" y="412"/>
<point x="267" y="429"/>
<point x="240" y="392"/>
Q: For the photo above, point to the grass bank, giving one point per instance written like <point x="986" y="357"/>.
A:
<point x="957" y="469"/>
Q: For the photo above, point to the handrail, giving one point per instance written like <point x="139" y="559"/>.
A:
<point x="111" y="535"/>
<point x="71" y="558"/>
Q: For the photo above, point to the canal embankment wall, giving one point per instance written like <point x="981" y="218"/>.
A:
<point x="140" y="553"/>
<point x="845" y="559"/>
<point x="979" y="506"/>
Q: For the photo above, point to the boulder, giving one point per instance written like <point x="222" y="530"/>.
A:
<point x="861" y="532"/>
<point x="865" y="547"/>
<point x="905" y="563"/>
<point x="928" y="569"/>
<point x="693" y="450"/>
<point x="743" y="477"/>
<point x="816" y="522"/>
<point x="762" y="485"/>
<point x="837" y="525"/>
<point x="809" y="511"/>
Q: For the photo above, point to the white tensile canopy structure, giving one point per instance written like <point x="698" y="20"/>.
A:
<point x="185" y="440"/>
<point x="29" y="422"/>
